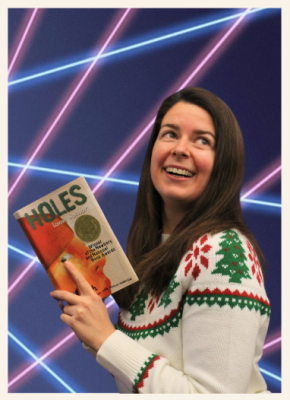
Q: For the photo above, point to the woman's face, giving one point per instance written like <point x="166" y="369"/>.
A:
<point x="183" y="155"/>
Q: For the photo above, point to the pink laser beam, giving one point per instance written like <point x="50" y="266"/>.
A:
<point x="197" y="69"/>
<point x="27" y="269"/>
<point x="48" y="353"/>
<point x="148" y="126"/>
<point x="22" y="40"/>
<point x="215" y="48"/>
<point x="124" y="155"/>
<point x="261" y="182"/>
<point x="71" y="97"/>
<point x="33" y="365"/>
<point x="272" y="343"/>
<point x="144" y="131"/>
<point x="193" y="74"/>
<point x="132" y="145"/>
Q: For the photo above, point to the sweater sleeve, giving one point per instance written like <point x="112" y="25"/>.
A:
<point x="224" y="322"/>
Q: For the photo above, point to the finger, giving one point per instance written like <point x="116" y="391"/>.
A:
<point x="67" y="319"/>
<point x="63" y="295"/>
<point x="82" y="284"/>
<point x="68" y="310"/>
<point x="60" y="303"/>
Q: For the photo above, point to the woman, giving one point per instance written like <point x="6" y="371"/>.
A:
<point x="197" y="321"/>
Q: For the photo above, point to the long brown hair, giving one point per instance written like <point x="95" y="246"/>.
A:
<point x="216" y="209"/>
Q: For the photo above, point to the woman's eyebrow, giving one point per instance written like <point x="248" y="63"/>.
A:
<point x="173" y="126"/>
<point x="202" y="132"/>
<point x="195" y="131"/>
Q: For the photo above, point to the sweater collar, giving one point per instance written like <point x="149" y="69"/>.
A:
<point x="164" y="237"/>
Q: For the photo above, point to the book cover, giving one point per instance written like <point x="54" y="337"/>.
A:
<point x="68" y="224"/>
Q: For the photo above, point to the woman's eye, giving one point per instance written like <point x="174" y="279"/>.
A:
<point x="204" y="141"/>
<point x="170" y="134"/>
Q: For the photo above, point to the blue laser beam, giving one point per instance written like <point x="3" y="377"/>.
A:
<point x="131" y="47"/>
<point x="261" y="202"/>
<point x="23" y="253"/>
<point x="49" y="370"/>
<point x="62" y="172"/>
<point x="278" y="378"/>
<point x="122" y="181"/>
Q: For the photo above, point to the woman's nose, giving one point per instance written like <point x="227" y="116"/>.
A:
<point x="181" y="149"/>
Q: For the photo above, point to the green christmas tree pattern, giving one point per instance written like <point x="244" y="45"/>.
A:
<point x="138" y="306"/>
<point x="234" y="256"/>
<point x="165" y="299"/>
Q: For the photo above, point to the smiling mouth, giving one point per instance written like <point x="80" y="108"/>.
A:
<point x="179" y="172"/>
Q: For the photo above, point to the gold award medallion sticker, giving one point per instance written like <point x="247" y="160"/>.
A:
<point x="87" y="228"/>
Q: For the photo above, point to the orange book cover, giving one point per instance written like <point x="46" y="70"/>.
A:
<point x="68" y="224"/>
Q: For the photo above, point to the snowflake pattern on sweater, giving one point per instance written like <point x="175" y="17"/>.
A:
<point x="185" y="341"/>
<point x="197" y="257"/>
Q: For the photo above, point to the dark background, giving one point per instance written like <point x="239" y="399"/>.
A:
<point x="122" y="95"/>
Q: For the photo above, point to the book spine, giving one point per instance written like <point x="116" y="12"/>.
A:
<point x="33" y="244"/>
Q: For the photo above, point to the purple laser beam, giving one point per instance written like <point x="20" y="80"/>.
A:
<point x="22" y="40"/>
<point x="272" y="343"/>
<point x="71" y="97"/>
<point x="18" y="279"/>
<point x="144" y="131"/>
<point x="48" y="353"/>
<point x="262" y="182"/>
<point x="215" y="48"/>
<point x="126" y="153"/>
<point x="71" y="335"/>
<point x="197" y="69"/>
<point x="33" y="365"/>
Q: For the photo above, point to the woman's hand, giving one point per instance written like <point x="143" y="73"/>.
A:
<point x="86" y="314"/>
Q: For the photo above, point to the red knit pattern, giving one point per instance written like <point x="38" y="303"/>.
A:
<point x="149" y="326"/>
<point x="228" y="292"/>
<point x="203" y="239"/>
<point x="146" y="373"/>
<point x="152" y="303"/>
<point x="196" y="271"/>
<point x="194" y="255"/>
<point x="188" y="266"/>
<point x="256" y="269"/>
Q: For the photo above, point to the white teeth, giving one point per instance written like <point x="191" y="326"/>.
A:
<point x="178" y="171"/>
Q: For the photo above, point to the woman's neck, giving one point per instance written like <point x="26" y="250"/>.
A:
<point x="171" y="218"/>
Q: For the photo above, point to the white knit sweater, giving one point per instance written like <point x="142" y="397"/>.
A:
<point x="205" y="334"/>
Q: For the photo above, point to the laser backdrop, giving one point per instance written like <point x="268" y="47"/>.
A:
<point x="84" y="87"/>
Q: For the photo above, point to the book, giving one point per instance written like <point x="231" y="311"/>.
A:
<point x="68" y="224"/>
